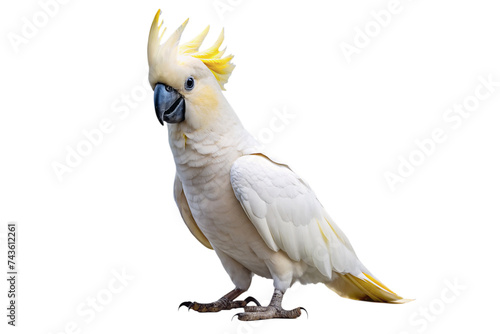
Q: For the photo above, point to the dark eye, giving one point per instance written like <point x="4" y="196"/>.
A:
<point x="189" y="84"/>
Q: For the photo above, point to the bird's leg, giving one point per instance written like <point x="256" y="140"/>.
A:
<point x="273" y="311"/>
<point x="227" y="302"/>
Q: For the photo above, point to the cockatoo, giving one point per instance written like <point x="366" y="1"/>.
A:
<point x="255" y="213"/>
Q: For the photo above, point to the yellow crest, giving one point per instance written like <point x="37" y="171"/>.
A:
<point x="221" y="67"/>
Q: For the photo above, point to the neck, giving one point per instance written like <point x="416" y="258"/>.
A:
<point x="218" y="145"/>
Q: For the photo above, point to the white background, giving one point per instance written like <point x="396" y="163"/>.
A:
<point x="115" y="211"/>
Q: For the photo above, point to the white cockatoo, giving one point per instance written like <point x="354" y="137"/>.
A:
<point x="255" y="213"/>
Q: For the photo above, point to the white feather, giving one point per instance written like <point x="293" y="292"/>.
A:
<point x="289" y="217"/>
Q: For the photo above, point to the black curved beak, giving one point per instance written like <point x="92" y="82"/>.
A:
<point x="169" y="104"/>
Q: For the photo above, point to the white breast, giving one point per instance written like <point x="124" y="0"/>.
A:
<point x="203" y="164"/>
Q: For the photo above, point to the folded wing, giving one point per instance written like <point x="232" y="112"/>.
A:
<point x="289" y="217"/>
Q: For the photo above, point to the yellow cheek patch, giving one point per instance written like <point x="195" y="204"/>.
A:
<point x="206" y="99"/>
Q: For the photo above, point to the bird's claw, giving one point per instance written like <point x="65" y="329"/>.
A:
<point x="251" y="299"/>
<point x="187" y="304"/>
<point x="268" y="312"/>
<point x="221" y="304"/>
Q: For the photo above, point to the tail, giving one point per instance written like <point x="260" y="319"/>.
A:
<point x="364" y="287"/>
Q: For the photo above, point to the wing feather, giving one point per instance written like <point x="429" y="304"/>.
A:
<point x="289" y="217"/>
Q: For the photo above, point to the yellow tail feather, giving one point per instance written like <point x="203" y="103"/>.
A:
<point x="366" y="288"/>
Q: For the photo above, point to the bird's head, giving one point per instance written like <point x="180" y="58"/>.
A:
<point x="187" y="82"/>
